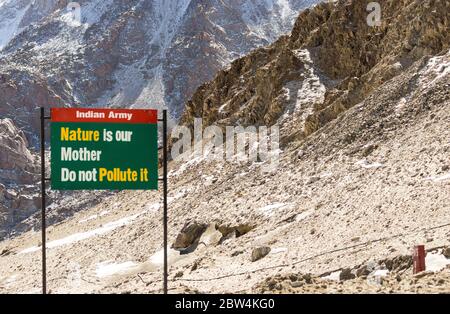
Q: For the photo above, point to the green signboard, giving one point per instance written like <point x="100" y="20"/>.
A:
<point x="102" y="149"/>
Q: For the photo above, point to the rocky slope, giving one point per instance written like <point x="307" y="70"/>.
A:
<point x="148" y="53"/>
<point x="353" y="193"/>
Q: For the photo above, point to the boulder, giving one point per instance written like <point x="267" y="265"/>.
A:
<point x="260" y="253"/>
<point x="446" y="252"/>
<point x="346" y="274"/>
<point x="190" y="234"/>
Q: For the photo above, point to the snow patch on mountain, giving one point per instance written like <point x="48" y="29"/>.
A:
<point x="10" y="22"/>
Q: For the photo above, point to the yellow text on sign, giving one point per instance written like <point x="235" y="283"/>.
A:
<point x="119" y="175"/>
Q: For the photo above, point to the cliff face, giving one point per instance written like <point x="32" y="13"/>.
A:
<point x="332" y="60"/>
<point x="14" y="153"/>
<point x="18" y="170"/>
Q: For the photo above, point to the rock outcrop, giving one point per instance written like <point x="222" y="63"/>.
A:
<point x="18" y="169"/>
<point x="332" y="60"/>
<point x="17" y="164"/>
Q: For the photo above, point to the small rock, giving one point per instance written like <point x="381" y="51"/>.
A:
<point x="368" y="150"/>
<point x="445" y="168"/>
<point x="423" y="274"/>
<point x="179" y="274"/>
<point x="297" y="284"/>
<point x="188" y="235"/>
<point x="362" y="271"/>
<point x="446" y="252"/>
<point x="195" y="266"/>
<point x="236" y="253"/>
<point x="346" y="274"/>
<point x="260" y="253"/>
<point x="307" y="278"/>
<point x="293" y="278"/>
<point x="271" y="284"/>
<point x="5" y="252"/>
<point x="312" y="180"/>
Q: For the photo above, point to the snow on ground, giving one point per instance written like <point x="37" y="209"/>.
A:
<point x="367" y="165"/>
<point x="85" y="235"/>
<point x="88" y="219"/>
<point x="267" y="25"/>
<point x="109" y="268"/>
<point x="438" y="68"/>
<point x="436" y="262"/>
<point x="445" y="177"/>
<point x="157" y="259"/>
<point x="333" y="276"/>
<point x="278" y="250"/>
<point x="380" y="273"/>
<point x="10" y="24"/>
<point x="152" y="208"/>
<point x="269" y="210"/>
<point x="401" y="105"/>
<point x="303" y="215"/>
<point x="93" y="217"/>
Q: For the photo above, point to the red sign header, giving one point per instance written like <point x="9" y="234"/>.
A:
<point x="135" y="116"/>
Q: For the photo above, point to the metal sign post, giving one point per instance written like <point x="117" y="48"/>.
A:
<point x="138" y="123"/>
<point x="166" y="271"/>
<point x="165" y="218"/>
<point x="43" y="203"/>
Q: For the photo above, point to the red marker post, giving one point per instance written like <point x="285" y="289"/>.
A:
<point x="419" y="259"/>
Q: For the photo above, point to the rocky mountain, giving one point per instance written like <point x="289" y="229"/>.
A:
<point x="137" y="53"/>
<point x="332" y="61"/>
<point x="363" y="175"/>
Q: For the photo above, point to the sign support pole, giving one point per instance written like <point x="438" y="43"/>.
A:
<point x="43" y="204"/>
<point x="165" y="219"/>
